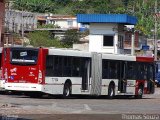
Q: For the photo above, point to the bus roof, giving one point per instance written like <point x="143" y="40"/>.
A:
<point x="72" y="52"/>
<point x="119" y="57"/>
<point x="69" y="52"/>
<point x="144" y="59"/>
<point x="78" y="53"/>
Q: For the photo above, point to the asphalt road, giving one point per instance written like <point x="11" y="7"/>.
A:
<point x="19" y="106"/>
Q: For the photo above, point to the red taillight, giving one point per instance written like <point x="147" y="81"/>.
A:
<point x="5" y="74"/>
<point x="40" y="76"/>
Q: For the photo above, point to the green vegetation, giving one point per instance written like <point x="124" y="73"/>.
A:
<point x="46" y="39"/>
<point x="40" y="6"/>
<point x="70" y="37"/>
<point x="43" y="39"/>
<point x="142" y="9"/>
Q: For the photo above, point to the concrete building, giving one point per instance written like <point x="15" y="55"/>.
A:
<point x="60" y="21"/>
<point x="2" y="13"/>
<point x="19" y="22"/>
<point x="107" y="31"/>
<point x="16" y="19"/>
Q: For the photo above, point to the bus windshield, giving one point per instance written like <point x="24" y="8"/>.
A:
<point x="24" y="56"/>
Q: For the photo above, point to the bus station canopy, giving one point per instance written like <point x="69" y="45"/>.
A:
<point x="106" y="18"/>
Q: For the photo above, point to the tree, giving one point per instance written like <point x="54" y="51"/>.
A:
<point x="71" y="36"/>
<point x="142" y="9"/>
<point x="40" y="6"/>
<point x="43" y="39"/>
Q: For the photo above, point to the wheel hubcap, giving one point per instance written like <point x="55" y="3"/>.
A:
<point x="111" y="92"/>
<point x="140" y="92"/>
<point x="67" y="92"/>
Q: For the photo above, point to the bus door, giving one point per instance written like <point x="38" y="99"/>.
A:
<point x="85" y="73"/>
<point x="122" y="83"/>
<point x="150" y="78"/>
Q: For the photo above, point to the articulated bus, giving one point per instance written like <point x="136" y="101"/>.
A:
<point x="37" y="71"/>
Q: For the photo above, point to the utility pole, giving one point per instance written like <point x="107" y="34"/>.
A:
<point x="22" y="30"/>
<point x="132" y="43"/>
<point x="155" y="32"/>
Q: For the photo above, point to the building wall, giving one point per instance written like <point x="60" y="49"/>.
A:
<point x="102" y="28"/>
<point x="2" y="11"/>
<point x="64" y="23"/>
<point x="14" y="20"/>
<point x="97" y="31"/>
<point x="95" y="43"/>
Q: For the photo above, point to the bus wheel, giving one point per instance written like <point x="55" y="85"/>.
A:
<point x="111" y="91"/>
<point x="140" y="92"/>
<point x="67" y="90"/>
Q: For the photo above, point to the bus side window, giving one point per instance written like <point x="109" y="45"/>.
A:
<point x="67" y="66"/>
<point x="49" y="66"/>
<point x="131" y="67"/>
<point x="139" y="73"/>
<point x="105" y="69"/>
<point x="57" y="66"/>
<point x="143" y="71"/>
<point x="113" y="70"/>
<point x="76" y="67"/>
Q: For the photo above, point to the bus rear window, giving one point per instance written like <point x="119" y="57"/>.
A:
<point x="22" y="56"/>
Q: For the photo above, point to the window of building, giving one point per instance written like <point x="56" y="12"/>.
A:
<point x="108" y="41"/>
<point x="120" y="41"/>
<point x="70" y="23"/>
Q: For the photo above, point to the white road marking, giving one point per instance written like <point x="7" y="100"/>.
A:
<point x="54" y="105"/>
<point x="87" y="107"/>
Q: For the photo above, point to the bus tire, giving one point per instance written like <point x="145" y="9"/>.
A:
<point x="140" y="93"/>
<point x="111" y="91"/>
<point x="67" y="90"/>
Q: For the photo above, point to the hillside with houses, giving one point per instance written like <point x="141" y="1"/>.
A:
<point x="28" y="26"/>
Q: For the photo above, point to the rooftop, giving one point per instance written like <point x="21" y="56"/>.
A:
<point x="106" y="18"/>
